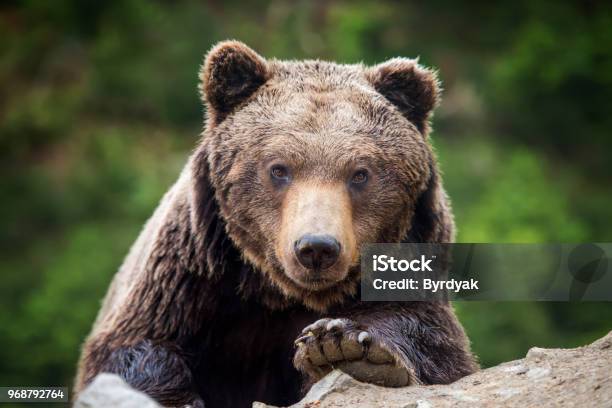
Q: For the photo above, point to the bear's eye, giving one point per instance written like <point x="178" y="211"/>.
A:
<point x="360" y="177"/>
<point x="279" y="173"/>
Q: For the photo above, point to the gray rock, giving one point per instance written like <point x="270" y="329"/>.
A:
<point x="577" y="377"/>
<point x="109" y="390"/>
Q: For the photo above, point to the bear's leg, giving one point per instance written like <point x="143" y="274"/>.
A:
<point x="390" y="344"/>
<point x="160" y="371"/>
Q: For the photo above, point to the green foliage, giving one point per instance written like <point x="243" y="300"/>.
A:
<point x="503" y="194"/>
<point x="99" y="109"/>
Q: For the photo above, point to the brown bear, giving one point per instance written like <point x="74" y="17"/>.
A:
<point x="249" y="267"/>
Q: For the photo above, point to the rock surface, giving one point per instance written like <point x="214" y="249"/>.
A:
<point x="580" y="377"/>
<point x="109" y="390"/>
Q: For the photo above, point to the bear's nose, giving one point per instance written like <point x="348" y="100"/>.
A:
<point x="317" y="252"/>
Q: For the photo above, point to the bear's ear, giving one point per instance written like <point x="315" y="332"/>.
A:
<point x="412" y="88"/>
<point x="231" y="73"/>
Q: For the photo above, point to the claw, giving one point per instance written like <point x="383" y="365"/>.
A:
<point x="364" y="337"/>
<point x="334" y="325"/>
<point x="302" y="339"/>
<point x="315" y="326"/>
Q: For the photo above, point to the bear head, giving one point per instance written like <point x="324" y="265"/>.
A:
<point x="303" y="162"/>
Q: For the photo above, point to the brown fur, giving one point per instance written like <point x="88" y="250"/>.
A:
<point x="210" y="298"/>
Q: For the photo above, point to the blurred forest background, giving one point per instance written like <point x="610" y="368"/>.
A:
<point x="99" y="111"/>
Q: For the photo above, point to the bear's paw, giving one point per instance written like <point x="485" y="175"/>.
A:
<point x="329" y="343"/>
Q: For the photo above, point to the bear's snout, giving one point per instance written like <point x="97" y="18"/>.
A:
<point x="317" y="252"/>
<point x="316" y="242"/>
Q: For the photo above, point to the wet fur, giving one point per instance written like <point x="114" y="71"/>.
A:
<point x="199" y="311"/>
